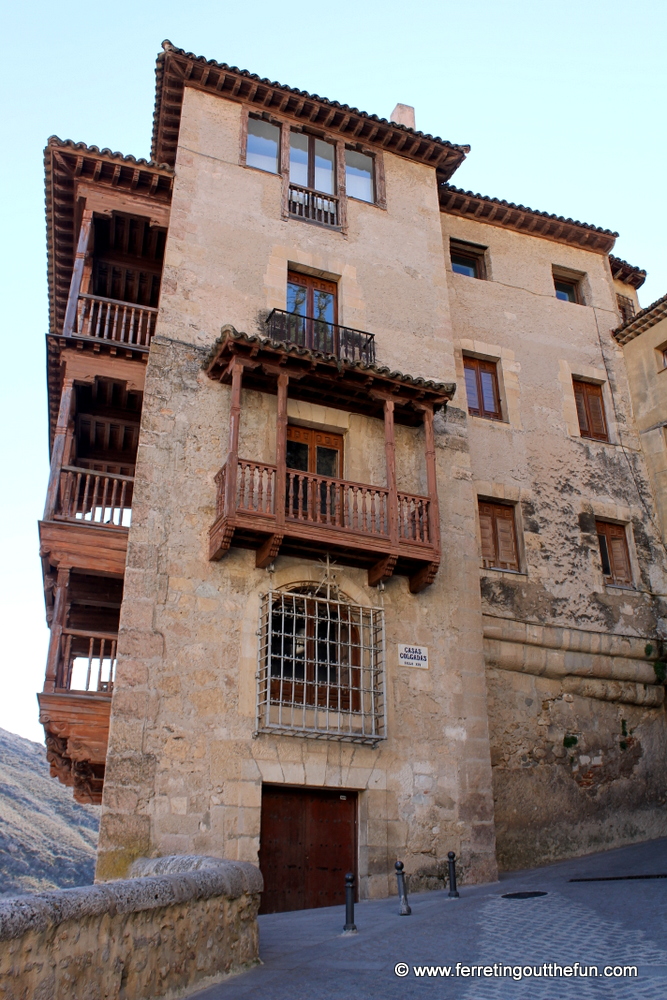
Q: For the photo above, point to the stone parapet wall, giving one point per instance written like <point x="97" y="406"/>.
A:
<point x="145" y="937"/>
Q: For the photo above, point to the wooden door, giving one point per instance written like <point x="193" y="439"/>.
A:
<point x="314" y="314"/>
<point x="308" y="844"/>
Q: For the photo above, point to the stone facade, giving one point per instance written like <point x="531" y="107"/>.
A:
<point x="521" y="664"/>
<point x="143" y="938"/>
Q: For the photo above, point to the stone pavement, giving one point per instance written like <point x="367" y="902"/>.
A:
<point x="599" y="924"/>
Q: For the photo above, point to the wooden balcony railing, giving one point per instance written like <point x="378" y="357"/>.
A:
<point x="318" y="335"/>
<point x="94" y="497"/>
<point x="350" y="513"/>
<point x="87" y="661"/>
<point x="305" y="203"/>
<point x="112" y="320"/>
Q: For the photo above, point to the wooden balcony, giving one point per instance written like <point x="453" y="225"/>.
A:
<point x="351" y="521"/>
<point x="313" y="206"/>
<point x="75" y="708"/>
<point x="111" y="320"/>
<point x="274" y="510"/>
<point x="90" y="497"/>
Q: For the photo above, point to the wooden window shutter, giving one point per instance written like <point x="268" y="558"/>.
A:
<point x="590" y="410"/>
<point x="507" y="557"/>
<point x="598" y="424"/>
<point x="487" y="533"/>
<point x="620" y="557"/>
<point x="620" y="570"/>
<point x="581" y="407"/>
<point x="498" y="535"/>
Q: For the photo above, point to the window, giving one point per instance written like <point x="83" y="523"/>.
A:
<point x="614" y="554"/>
<point x="359" y="180"/>
<point x="311" y="308"/>
<point x="626" y="308"/>
<point x="663" y="354"/>
<point x="467" y="258"/>
<point x="567" y="285"/>
<point x="314" y="451"/>
<point x="321" y="670"/>
<point x="311" y="163"/>
<point x="590" y="410"/>
<point x="498" y="531"/>
<point x="263" y="146"/>
<point x="482" y="388"/>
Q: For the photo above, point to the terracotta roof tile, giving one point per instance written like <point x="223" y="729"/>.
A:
<point x="644" y="320"/>
<point x="498" y="212"/>
<point x="176" y="67"/>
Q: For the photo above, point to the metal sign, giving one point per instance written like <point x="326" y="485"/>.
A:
<point x="413" y="656"/>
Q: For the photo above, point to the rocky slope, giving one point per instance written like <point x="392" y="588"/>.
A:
<point x="47" y="840"/>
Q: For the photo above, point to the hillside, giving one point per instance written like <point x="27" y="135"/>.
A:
<point x="47" y="841"/>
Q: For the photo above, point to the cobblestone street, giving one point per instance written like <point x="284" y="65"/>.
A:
<point x="608" y="923"/>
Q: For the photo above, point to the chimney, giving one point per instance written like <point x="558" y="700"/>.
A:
<point x="403" y="114"/>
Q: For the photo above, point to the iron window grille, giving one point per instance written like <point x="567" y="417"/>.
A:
<point x="321" y="666"/>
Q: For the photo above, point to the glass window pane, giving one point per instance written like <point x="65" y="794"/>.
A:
<point x="263" y="145"/>
<point x="324" y="166"/>
<point x="327" y="462"/>
<point x="298" y="159"/>
<point x="296" y="298"/>
<point x="566" y="291"/>
<point x="488" y="392"/>
<point x="297" y="455"/>
<point x="471" y="388"/>
<point x="604" y="555"/>
<point x="359" y="175"/>
<point x="323" y="305"/>
<point x="464" y="265"/>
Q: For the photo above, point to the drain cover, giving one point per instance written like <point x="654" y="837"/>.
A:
<point x="522" y="895"/>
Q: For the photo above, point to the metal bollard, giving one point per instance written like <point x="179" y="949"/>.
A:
<point x="404" y="910"/>
<point x="453" y="891"/>
<point x="350" y="926"/>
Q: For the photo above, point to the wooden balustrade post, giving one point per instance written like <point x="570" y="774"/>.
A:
<point x="57" y="625"/>
<point x="390" y="455"/>
<point x="233" y="452"/>
<point x="431" y="478"/>
<point x="60" y="441"/>
<point x="426" y="575"/>
<point x="383" y="569"/>
<point x="269" y="550"/>
<point x="85" y="233"/>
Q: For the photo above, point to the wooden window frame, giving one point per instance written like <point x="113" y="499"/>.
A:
<point x="314" y="437"/>
<point x="379" y="183"/>
<point x="493" y="515"/>
<point x="474" y="252"/>
<point x="280" y="125"/>
<point x="615" y="555"/>
<point x="564" y="277"/>
<point x="478" y="365"/>
<point x="584" y="392"/>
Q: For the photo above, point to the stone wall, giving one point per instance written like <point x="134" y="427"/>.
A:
<point x="565" y="650"/>
<point x="148" y="937"/>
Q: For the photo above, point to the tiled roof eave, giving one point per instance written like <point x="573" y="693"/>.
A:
<point x="230" y="335"/>
<point x="497" y="212"/>
<point x="177" y="68"/>
<point x="627" y="273"/>
<point x="643" y="321"/>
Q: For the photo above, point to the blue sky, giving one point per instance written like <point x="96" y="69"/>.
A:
<point x="563" y="105"/>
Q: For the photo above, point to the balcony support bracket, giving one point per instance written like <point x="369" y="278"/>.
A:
<point x="382" y="570"/>
<point x="268" y="552"/>
<point x="220" y="537"/>
<point x="424" y="577"/>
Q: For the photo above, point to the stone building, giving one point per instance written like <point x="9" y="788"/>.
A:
<point x="345" y="463"/>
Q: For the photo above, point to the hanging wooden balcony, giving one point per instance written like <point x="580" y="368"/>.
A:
<point x="75" y="707"/>
<point x="110" y="320"/>
<point x="92" y="497"/>
<point x="343" y="342"/>
<point x="354" y="522"/>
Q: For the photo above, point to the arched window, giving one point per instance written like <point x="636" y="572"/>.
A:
<point x="321" y="670"/>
